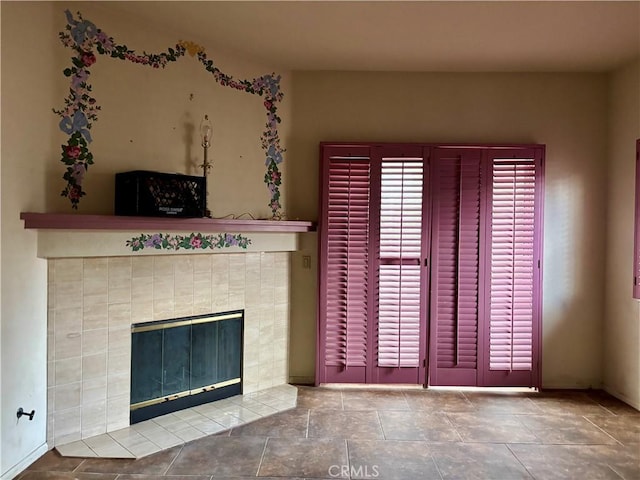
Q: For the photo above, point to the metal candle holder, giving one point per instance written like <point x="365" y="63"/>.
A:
<point x="206" y="132"/>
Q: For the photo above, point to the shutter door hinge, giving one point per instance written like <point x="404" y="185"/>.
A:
<point x="538" y="263"/>
<point x="424" y="362"/>
<point x="426" y="262"/>
<point x="635" y="281"/>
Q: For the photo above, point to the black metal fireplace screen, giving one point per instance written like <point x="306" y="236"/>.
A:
<point x="183" y="362"/>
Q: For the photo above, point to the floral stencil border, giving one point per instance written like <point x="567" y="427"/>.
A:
<point x="194" y="241"/>
<point x="80" y="109"/>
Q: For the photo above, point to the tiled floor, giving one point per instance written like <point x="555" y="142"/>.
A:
<point x="392" y="434"/>
<point x="151" y="436"/>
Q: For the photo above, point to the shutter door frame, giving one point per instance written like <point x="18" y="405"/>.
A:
<point x="636" y="242"/>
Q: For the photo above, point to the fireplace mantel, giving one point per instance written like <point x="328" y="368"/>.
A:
<point x="69" y="221"/>
<point x="63" y="235"/>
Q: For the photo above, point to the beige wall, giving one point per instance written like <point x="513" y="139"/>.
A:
<point x="146" y="122"/>
<point x="150" y="119"/>
<point x="567" y="112"/>
<point x="27" y="146"/>
<point x="622" y="315"/>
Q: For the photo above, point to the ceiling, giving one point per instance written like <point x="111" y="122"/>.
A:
<point x="409" y="36"/>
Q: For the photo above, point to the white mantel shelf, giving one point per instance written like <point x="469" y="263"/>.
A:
<point x="63" y="235"/>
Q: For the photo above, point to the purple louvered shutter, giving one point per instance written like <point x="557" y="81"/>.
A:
<point x="455" y="247"/>
<point x="513" y="295"/>
<point x="401" y="313"/>
<point x="344" y="254"/>
<point x="636" y="246"/>
<point x="478" y="210"/>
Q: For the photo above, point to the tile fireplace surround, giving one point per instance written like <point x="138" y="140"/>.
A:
<point x="93" y="301"/>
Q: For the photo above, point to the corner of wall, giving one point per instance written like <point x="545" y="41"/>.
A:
<point x="621" y="323"/>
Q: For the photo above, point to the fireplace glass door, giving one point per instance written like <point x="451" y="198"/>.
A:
<point x="184" y="362"/>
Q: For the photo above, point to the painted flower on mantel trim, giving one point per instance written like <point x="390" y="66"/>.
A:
<point x="194" y="241"/>
<point x="80" y="108"/>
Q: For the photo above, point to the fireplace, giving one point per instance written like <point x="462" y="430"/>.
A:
<point x="94" y="301"/>
<point x="183" y="362"/>
<point x="98" y="286"/>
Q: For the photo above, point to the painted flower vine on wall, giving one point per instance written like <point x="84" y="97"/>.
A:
<point x="194" y="241"/>
<point x="81" y="109"/>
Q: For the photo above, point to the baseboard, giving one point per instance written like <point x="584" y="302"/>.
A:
<point x="19" y="467"/>
<point x="300" y="380"/>
<point x="620" y="396"/>
<point x="566" y="386"/>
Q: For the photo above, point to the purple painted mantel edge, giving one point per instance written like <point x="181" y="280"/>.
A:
<point x="66" y="221"/>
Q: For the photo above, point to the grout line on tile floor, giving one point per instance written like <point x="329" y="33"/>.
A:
<point x="615" y="471"/>
<point x="603" y="430"/>
<point x="306" y="431"/>
<point x="433" y="460"/>
<point x="346" y="447"/>
<point x="264" y="451"/>
<point x="79" y="465"/>
<point x="384" y="435"/>
<point x="173" y="461"/>
<point x="519" y="461"/>
<point x="453" y="425"/>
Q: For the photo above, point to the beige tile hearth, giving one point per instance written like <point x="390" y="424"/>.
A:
<point x="178" y="428"/>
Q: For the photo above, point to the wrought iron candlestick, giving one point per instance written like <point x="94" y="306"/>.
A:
<point x="206" y="132"/>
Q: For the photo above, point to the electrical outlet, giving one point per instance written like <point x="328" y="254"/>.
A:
<point x="306" y="262"/>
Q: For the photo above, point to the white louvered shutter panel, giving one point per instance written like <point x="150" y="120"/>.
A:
<point x="399" y="293"/>
<point x="512" y="268"/>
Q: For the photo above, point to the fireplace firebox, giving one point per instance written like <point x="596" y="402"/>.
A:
<point x="183" y="362"/>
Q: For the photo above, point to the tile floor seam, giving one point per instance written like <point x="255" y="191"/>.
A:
<point x="306" y="432"/>
<point x="433" y="460"/>
<point x="264" y="451"/>
<point x="123" y="446"/>
<point x="90" y="448"/>
<point x="78" y="466"/>
<point x="519" y="461"/>
<point x="453" y="425"/>
<point x="622" y="477"/>
<point x="384" y="436"/>
<point x="346" y="447"/>
<point x="165" y="431"/>
<point x="173" y="461"/>
<point x="528" y="429"/>
<point x="602" y="430"/>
